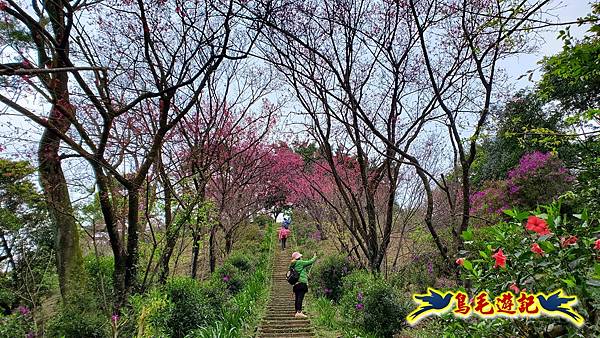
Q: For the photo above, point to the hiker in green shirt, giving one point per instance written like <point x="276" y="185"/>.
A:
<point x="301" y="287"/>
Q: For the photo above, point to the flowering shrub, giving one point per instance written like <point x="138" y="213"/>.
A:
<point x="370" y="303"/>
<point x="540" y="252"/>
<point x="491" y="200"/>
<point x="18" y="324"/>
<point x="326" y="276"/>
<point x="538" y="179"/>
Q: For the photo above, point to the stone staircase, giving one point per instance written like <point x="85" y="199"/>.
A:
<point x="279" y="319"/>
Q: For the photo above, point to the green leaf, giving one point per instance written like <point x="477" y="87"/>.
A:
<point x="596" y="274"/>
<point x="467" y="235"/>
<point x="547" y="246"/>
<point x="569" y="282"/>
<point x="468" y="265"/>
<point x="483" y="254"/>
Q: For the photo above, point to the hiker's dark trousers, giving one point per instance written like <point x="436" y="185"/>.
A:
<point x="283" y="243"/>
<point x="300" y="289"/>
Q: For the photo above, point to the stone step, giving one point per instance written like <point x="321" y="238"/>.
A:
<point x="284" y="325"/>
<point x="290" y="319"/>
<point x="279" y="320"/>
<point x="287" y="335"/>
<point x="306" y="329"/>
<point x="281" y="305"/>
<point x="285" y="317"/>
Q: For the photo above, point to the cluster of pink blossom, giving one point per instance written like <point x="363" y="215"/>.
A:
<point x="538" y="178"/>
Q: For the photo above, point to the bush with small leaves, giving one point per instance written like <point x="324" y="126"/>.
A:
<point x="326" y="276"/>
<point x="372" y="304"/>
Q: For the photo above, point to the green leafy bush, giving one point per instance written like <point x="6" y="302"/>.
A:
<point x="192" y="307"/>
<point x="372" y="304"/>
<point x="230" y="277"/>
<point x="243" y="261"/>
<point x="99" y="271"/>
<point x="327" y="274"/>
<point x="545" y="250"/>
<point x="16" y="325"/>
<point x="80" y="317"/>
<point x="263" y="220"/>
<point x="152" y="312"/>
<point x="88" y="314"/>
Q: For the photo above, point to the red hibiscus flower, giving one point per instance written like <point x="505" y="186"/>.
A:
<point x="538" y="225"/>
<point x="535" y="248"/>
<point x="460" y="261"/>
<point x="597" y="244"/>
<point x="514" y="288"/>
<point x="500" y="259"/>
<point x="565" y="242"/>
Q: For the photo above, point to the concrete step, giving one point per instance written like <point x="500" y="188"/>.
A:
<point x="306" y="329"/>
<point x="279" y="320"/>
<point x="286" y="319"/>
<point x="287" y="335"/>
<point x="285" y="325"/>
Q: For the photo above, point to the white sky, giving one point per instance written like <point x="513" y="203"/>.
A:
<point x="566" y="11"/>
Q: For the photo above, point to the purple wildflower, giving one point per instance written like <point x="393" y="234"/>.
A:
<point x="529" y="163"/>
<point x="114" y="318"/>
<point x="23" y="310"/>
<point x="512" y="188"/>
<point x="360" y="296"/>
<point x="226" y="278"/>
<point x="430" y="267"/>
<point x="360" y="306"/>
<point x="30" y="335"/>
<point x="327" y="291"/>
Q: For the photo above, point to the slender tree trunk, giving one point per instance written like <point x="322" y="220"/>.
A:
<point x="212" y="255"/>
<point x="116" y="241"/>
<point x="195" y="252"/>
<point x="466" y="205"/>
<point x="228" y="242"/>
<point x="196" y="237"/>
<point x="170" y="232"/>
<point x="429" y="218"/>
<point x="131" y="261"/>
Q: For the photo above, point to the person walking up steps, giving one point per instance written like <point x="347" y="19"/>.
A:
<point x="301" y="287"/>
<point x="283" y="235"/>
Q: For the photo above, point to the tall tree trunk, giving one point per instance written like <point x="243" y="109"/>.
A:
<point x="170" y="232"/>
<point x="197" y="236"/>
<point x="116" y="241"/>
<point x="212" y="258"/>
<point x="195" y="253"/>
<point x="228" y="241"/>
<point x="429" y="218"/>
<point x="69" y="259"/>
<point x="131" y="261"/>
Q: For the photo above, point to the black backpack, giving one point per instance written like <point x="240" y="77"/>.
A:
<point x="292" y="276"/>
